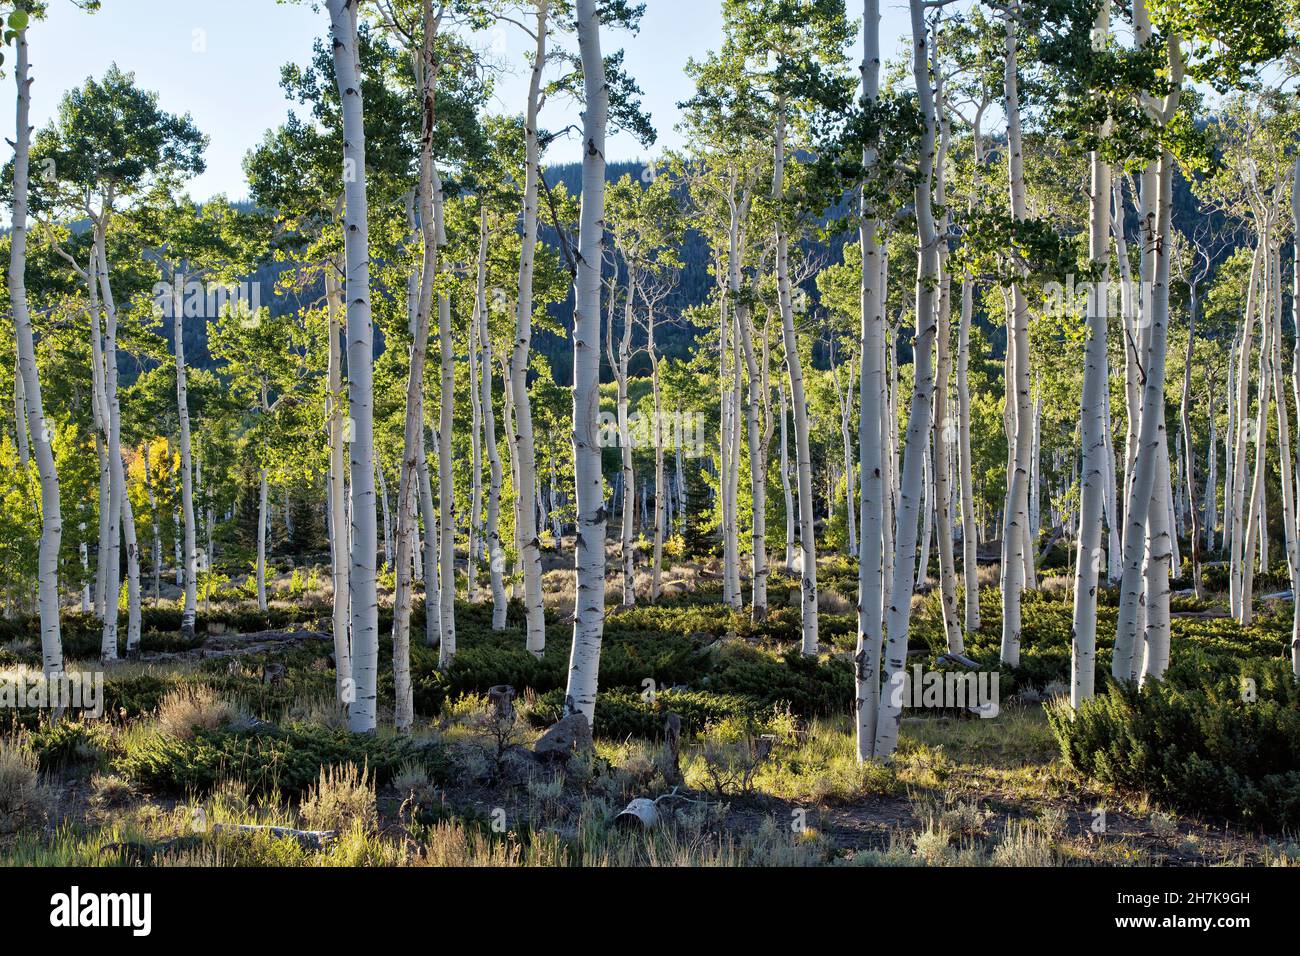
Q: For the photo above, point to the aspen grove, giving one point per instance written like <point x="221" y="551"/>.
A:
<point x="517" y="439"/>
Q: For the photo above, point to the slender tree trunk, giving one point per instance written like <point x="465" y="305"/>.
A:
<point x="51" y="515"/>
<point x="338" y="519"/>
<point x="361" y="581"/>
<point x="899" y="611"/>
<point x="1188" y="454"/>
<point x="1092" y="495"/>
<point x="261" y="538"/>
<point x="1015" y="535"/>
<point x="944" y="433"/>
<point x="870" y="390"/>
<point x="413" y="430"/>
<point x="1295" y="315"/>
<point x="661" y="489"/>
<point x="1239" y="472"/>
<point x="496" y="554"/>
<point x="530" y="547"/>
<point x="589" y="613"/>
<point x="785" y="484"/>
<point x="803" y="454"/>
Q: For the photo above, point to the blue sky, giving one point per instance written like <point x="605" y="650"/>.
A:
<point x="220" y="61"/>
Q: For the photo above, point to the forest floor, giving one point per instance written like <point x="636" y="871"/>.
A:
<point x="206" y="741"/>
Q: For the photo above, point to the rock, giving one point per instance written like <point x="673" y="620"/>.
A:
<point x="561" y="739"/>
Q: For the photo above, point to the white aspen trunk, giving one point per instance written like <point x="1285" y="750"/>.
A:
<point x="945" y="435"/>
<point x="1255" y="536"/>
<point x="508" y="422"/>
<point x="927" y="515"/>
<point x="803" y="454"/>
<point x="1211" y="509"/>
<point x="619" y="363"/>
<point x="20" y="417"/>
<point x="261" y="538"/>
<point x="1148" y="473"/>
<point x="475" y="552"/>
<point x="1016" y="532"/>
<point x="1239" y="472"/>
<point x="132" y="577"/>
<point x="918" y="425"/>
<point x="51" y="515"/>
<point x="1189" y="455"/>
<point x="496" y="554"/>
<point x="589" y="612"/>
<point x="446" y="495"/>
<point x="785" y="484"/>
<point x="1285" y="460"/>
<point x="156" y="553"/>
<point x="661" y="490"/>
<point x="388" y="517"/>
<point x="530" y="555"/>
<point x="733" y="476"/>
<point x="413" y="427"/>
<point x="1113" y="564"/>
<point x="866" y="659"/>
<point x="969" y="534"/>
<point x="1295" y="315"/>
<point x="338" y="519"/>
<point x="360" y="332"/>
<point x="726" y="448"/>
<point x="1094" y="425"/>
<point x="113" y="444"/>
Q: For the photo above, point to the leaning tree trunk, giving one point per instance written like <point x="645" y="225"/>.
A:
<point x="356" y="241"/>
<point x="589" y="612"/>
<point x="899" y="611"/>
<point x="1238" y="471"/>
<point x="1017" y="513"/>
<point x="1092" y="495"/>
<point x="803" y="454"/>
<point x="413" y="430"/>
<point x="944" y="433"/>
<point x="191" y="553"/>
<point x="51" y="515"/>
<point x="530" y="555"/>
<point x="492" y="529"/>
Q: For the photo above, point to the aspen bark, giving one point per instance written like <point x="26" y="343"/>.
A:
<point x="51" y="515"/>
<point x="589" y="613"/>
<point x="360" y="332"/>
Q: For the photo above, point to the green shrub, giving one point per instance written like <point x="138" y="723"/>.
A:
<point x="1195" y="740"/>
<point x="266" y="759"/>
<point x="71" y="742"/>
<point x="622" y="713"/>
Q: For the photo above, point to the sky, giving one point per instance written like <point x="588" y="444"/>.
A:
<point x="220" y="61"/>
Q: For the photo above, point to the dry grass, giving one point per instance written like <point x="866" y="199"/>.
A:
<point x="197" y="707"/>
<point x="342" y="799"/>
<point x="23" y="800"/>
